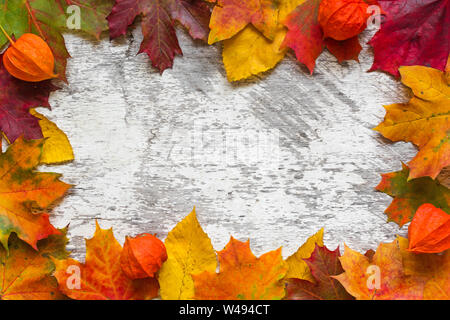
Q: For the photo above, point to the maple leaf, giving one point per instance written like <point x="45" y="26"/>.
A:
<point x="26" y="274"/>
<point x="412" y="33"/>
<point x="298" y="268"/>
<point x="424" y="120"/>
<point x="249" y="52"/>
<point x="101" y="277"/>
<point x="48" y="18"/>
<point x="189" y="251"/>
<point x="429" y="231"/>
<point x="22" y="191"/>
<point x="305" y="36"/>
<point x="242" y="275"/>
<point x="323" y="264"/>
<point x="160" y="40"/>
<point x="410" y="195"/>
<point x="433" y="268"/>
<point x="360" y="276"/>
<point x="16" y="98"/>
<point x="231" y="16"/>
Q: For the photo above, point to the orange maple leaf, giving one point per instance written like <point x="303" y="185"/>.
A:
<point x="101" y="277"/>
<point x="379" y="278"/>
<point x="231" y="16"/>
<point x="24" y="191"/>
<point x="242" y="275"/>
<point x="433" y="268"/>
<point x="25" y="274"/>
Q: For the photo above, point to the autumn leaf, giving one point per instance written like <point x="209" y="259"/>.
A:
<point x="189" y="251"/>
<point x="243" y="276"/>
<point x="433" y="268"/>
<point x="160" y="40"/>
<point x="231" y="16"/>
<point x="424" y="120"/>
<point x="380" y="278"/>
<point x="48" y="18"/>
<point x="298" y="268"/>
<point x="242" y="60"/>
<point x="410" y="195"/>
<point x="323" y="264"/>
<point x="412" y="33"/>
<point x="16" y="98"/>
<point x="57" y="148"/>
<point x="249" y="52"/>
<point x="305" y="36"/>
<point x="26" y="274"/>
<point x="24" y="191"/>
<point x="429" y="231"/>
<point x="101" y="277"/>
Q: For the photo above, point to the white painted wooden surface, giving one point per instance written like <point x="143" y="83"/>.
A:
<point x="130" y="129"/>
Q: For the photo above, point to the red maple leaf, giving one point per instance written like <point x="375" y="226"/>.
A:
<point x="16" y="98"/>
<point x="412" y="33"/>
<point x="160" y="40"/>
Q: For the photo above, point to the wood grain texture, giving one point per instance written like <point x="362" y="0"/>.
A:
<point x="139" y="167"/>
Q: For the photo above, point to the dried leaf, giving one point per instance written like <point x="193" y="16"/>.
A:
<point x="231" y="16"/>
<point x="189" y="251"/>
<point x="433" y="268"/>
<point x="424" y="120"/>
<point x="323" y="264"/>
<point x="243" y="276"/>
<point x="22" y="191"/>
<point x="26" y="274"/>
<point x="160" y="40"/>
<point x="57" y="148"/>
<point x="16" y="98"/>
<point x="381" y="278"/>
<point x="298" y="268"/>
<point x="412" y="33"/>
<point x="410" y="195"/>
<point x="100" y="277"/>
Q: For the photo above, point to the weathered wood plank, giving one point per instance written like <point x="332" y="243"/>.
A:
<point x="133" y="132"/>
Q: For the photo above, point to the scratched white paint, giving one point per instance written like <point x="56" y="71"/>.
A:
<point x="132" y="131"/>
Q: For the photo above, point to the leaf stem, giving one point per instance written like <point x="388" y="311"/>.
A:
<point x="7" y="35"/>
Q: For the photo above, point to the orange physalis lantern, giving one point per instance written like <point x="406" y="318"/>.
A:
<point x="29" y="58"/>
<point x="429" y="231"/>
<point x="142" y="256"/>
<point x="343" y="19"/>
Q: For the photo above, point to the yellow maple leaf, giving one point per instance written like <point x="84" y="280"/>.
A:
<point x="57" y="148"/>
<point x="242" y="275"/>
<point x="250" y="52"/>
<point x="424" y="120"/>
<point x="297" y="266"/>
<point x="189" y="251"/>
